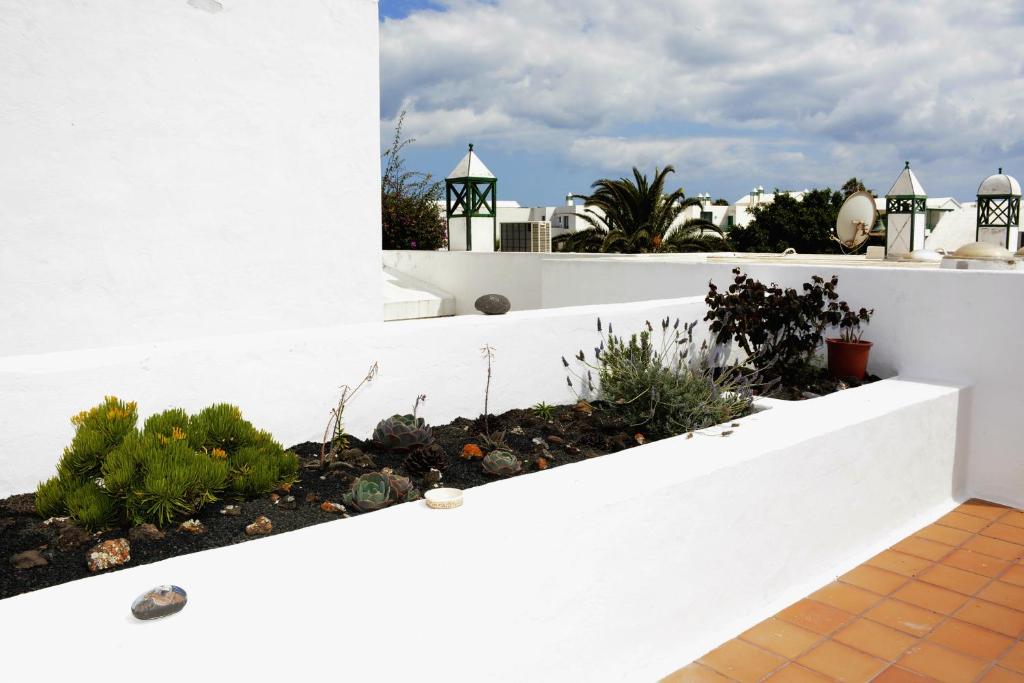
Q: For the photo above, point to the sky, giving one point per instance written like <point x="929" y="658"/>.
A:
<point x="790" y="94"/>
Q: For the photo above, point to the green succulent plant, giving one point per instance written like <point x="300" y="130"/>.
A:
<point x="115" y="473"/>
<point x="501" y="464"/>
<point x="369" y="492"/>
<point x="544" y="411"/>
<point x="403" y="433"/>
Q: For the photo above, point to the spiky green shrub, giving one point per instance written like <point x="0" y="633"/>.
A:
<point x="114" y="473"/>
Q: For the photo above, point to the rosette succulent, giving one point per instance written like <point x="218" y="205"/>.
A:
<point x="370" y="492"/>
<point x="501" y="464"/>
<point x="403" y="433"/>
<point x="378" y="490"/>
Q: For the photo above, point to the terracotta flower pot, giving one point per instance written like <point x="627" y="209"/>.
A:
<point x="848" y="359"/>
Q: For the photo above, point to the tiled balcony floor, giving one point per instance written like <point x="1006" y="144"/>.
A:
<point x="945" y="604"/>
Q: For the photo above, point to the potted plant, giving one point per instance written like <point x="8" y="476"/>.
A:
<point x="847" y="353"/>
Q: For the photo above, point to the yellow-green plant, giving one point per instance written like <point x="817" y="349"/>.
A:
<point x="115" y="473"/>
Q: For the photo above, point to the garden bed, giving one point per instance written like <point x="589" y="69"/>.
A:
<point x="574" y="433"/>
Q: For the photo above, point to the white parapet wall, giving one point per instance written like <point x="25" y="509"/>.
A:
<point x="621" y="568"/>
<point x="933" y="324"/>
<point x="287" y="382"/>
<point x="184" y="168"/>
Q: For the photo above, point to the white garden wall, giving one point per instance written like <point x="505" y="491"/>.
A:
<point x="620" y="568"/>
<point x="180" y="168"/>
<point x="287" y="382"/>
<point x="943" y="325"/>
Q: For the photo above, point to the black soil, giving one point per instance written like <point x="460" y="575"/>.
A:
<point x="572" y="433"/>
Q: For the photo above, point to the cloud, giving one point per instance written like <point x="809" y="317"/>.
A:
<point x="795" y="85"/>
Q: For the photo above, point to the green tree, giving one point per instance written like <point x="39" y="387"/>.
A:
<point x="789" y="223"/>
<point x="853" y="185"/>
<point x="636" y="216"/>
<point x="411" y="217"/>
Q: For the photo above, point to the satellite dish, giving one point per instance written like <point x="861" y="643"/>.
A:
<point x="856" y="218"/>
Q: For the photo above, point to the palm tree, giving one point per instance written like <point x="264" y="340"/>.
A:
<point x="637" y="217"/>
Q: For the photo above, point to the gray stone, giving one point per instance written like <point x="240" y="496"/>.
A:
<point x="159" y="602"/>
<point x="145" y="532"/>
<point x="28" y="560"/>
<point x="493" y="304"/>
<point x="231" y="510"/>
<point x="287" y="503"/>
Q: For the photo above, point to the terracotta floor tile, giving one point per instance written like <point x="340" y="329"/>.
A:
<point x="993" y="617"/>
<point x="873" y="579"/>
<point x="1013" y="518"/>
<point x="875" y="639"/>
<point x="781" y="637"/>
<point x="1004" y="594"/>
<point x="794" y="673"/>
<point x="959" y="520"/>
<point x="842" y="663"/>
<point x="1005" y="532"/>
<point x="954" y="579"/>
<point x="998" y="675"/>
<point x="983" y="509"/>
<point x="934" y="598"/>
<point x="904" y="617"/>
<point x="942" y="664"/>
<point x="986" y="565"/>
<point x="846" y="597"/>
<point x="1014" y="659"/>
<point x="1004" y="550"/>
<point x="815" y="616"/>
<point x="894" y="674"/>
<point x="922" y="547"/>
<point x="899" y="563"/>
<point x="944" y="534"/>
<point x="742" y="661"/>
<point x="970" y="639"/>
<point x="1014" y="575"/>
<point x="695" y="673"/>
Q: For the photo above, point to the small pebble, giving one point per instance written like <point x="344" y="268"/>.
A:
<point x="231" y="510"/>
<point x="29" y="559"/>
<point x="112" y="553"/>
<point x="335" y="508"/>
<point x="260" y="527"/>
<point x="192" y="526"/>
<point x="287" y="503"/>
<point x="159" y="602"/>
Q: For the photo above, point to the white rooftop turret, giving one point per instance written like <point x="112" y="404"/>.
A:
<point x="999" y="211"/>
<point x="999" y="185"/>
<point x="906" y="185"/>
<point x="470" y="167"/>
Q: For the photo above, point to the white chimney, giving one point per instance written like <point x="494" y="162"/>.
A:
<point x="568" y="200"/>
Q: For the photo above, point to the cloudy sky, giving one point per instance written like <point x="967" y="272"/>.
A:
<point x="789" y="94"/>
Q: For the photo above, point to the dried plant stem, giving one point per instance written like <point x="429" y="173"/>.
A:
<point x="488" y="352"/>
<point x="335" y="426"/>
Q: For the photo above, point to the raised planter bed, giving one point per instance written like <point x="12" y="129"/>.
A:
<point x="617" y="568"/>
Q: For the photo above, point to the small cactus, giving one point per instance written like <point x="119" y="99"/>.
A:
<point x="403" y="433"/>
<point x="378" y="490"/>
<point x="501" y="464"/>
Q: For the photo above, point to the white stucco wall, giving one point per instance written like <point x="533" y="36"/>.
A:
<point x="621" y="568"/>
<point x="941" y="325"/>
<point x="170" y="170"/>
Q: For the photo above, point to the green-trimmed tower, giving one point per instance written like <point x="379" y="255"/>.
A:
<point x="906" y="215"/>
<point x="999" y="211"/>
<point x="471" y="192"/>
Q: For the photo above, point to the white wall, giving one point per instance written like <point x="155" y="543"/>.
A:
<point x="169" y="171"/>
<point x="288" y="381"/>
<point x="469" y="275"/>
<point x="932" y="324"/>
<point x="620" y="568"/>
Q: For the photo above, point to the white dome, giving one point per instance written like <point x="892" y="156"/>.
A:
<point x="986" y="251"/>
<point x="999" y="184"/>
<point x="923" y="256"/>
